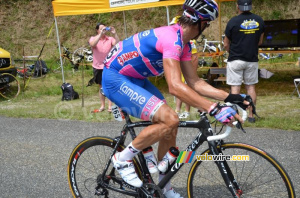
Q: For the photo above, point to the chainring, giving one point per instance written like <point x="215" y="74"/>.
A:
<point x="154" y="190"/>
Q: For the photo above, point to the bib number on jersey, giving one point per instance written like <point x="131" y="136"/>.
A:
<point x="117" y="113"/>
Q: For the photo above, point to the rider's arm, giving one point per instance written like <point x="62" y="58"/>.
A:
<point x="185" y="93"/>
<point x="199" y="85"/>
<point x="182" y="91"/>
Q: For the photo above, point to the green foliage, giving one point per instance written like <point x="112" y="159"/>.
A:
<point x="276" y="15"/>
<point x="42" y="98"/>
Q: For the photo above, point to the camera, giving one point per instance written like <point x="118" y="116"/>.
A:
<point x="107" y="28"/>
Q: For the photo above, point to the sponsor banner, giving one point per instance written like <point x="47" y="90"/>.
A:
<point x="120" y="3"/>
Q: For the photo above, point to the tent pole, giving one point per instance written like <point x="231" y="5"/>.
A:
<point x="220" y="26"/>
<point x="125" y="28"/>
<point x="58" y="42"/>
<point x="168" y="16"/>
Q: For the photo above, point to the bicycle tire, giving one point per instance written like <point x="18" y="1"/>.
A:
<point x="264" y="176"/>
<point x="85" y="166"/>
<point x="9" y="86"/>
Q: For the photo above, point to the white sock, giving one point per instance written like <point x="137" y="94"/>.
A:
<point x="167" y="186"/>
<point x="128" y="153"/>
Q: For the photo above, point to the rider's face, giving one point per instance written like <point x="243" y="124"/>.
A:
<point x="202" y="27"/>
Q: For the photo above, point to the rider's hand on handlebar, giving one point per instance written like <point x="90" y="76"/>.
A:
<point x="224" y="114"/>
<point x="240" y="99"/>
<point x="243" y="100"/>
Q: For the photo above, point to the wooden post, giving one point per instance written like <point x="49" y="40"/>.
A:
<point x="82" y="72"/>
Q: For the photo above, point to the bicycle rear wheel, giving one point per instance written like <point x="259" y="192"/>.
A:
<point x="9" y="86"/>
<point x="86" y="164"/>
<point x="261" y="176"/>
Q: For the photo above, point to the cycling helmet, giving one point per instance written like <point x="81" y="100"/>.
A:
<point x="204" y="10"/>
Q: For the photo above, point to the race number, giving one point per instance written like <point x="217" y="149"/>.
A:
<point x="117" y="113"/>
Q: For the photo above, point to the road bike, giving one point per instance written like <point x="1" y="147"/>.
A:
<point x="83" y="51"/>
<point x="91" y="173"/>
<point x="211" y="47"/>
<point x="74" y="58"/>
<point x="268" y="56"/>
<point x="9" y="86"/>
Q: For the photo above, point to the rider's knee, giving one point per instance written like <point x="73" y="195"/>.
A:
<point x="172" y="121"/>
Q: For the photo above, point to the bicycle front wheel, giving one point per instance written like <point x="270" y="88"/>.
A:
<point x="259" y="176"/>
<point x="9" y="86"/>
<point x="86" y="165"/>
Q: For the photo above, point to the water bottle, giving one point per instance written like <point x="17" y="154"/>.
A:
<point x="150" y="159"/>
<point x="168" y="159"/>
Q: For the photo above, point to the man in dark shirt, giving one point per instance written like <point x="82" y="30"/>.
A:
<point x="243" y="35"/>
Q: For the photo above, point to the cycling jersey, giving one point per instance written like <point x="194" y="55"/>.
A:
<point x="138" y="57"/>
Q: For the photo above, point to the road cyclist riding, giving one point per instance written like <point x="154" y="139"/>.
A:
<point x="150" y="53"/>
<point x="91" y="173"/>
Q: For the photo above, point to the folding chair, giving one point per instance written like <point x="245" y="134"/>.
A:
<point x="297" y="83"/>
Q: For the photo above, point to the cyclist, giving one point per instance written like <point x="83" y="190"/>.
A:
<point x="150" y="53"/>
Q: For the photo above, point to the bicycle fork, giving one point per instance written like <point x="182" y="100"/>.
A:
<point x="230" y="182"/>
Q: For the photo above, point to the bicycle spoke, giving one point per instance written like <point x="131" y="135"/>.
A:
<point x="256" y="177"/>
<point x="90" y="164"/>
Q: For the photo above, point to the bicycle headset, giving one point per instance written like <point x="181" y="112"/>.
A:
<point x="201" y="10"/>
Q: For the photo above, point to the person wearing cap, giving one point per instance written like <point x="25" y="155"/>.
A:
<point x="101" y="44"/>
<point x="243" y="34"/>
<point x="153" y="52"/>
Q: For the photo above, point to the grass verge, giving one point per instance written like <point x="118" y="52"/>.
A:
<point x="42" y="99"/>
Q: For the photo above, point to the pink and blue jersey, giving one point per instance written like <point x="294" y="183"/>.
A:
<point x="131" y="61"/>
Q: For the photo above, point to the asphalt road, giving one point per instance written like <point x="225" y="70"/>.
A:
<point x="34" y="152"/>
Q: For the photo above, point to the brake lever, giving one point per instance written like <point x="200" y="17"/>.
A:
<point x="240" y="126"/>
<point x="249" y="99"/>
<point x="238" y="123"/>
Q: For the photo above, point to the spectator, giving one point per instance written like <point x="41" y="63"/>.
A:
<point x="243" y="35"/>
<point x="101" y="44"/>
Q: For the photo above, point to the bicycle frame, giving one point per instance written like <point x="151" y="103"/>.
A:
<point x="205" y="130"/>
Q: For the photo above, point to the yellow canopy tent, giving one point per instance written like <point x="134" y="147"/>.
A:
<point x="80" y="7"/>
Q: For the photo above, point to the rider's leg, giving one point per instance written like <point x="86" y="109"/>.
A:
<point x="163" y="130"/>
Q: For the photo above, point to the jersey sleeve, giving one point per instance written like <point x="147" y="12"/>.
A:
<point x="187" y="53"/>
<point x="171" y="47"/>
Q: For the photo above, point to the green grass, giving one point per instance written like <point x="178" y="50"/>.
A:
<point x="42" y="98"/>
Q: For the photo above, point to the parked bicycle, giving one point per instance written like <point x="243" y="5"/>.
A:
<point x="74" y="57"/>
<point x="83" y="51"/>
<point x="268" y="56"/>
<point x="9" y="86"/>
<point x="211" y="47"/>
<point x="91" y="173"/>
